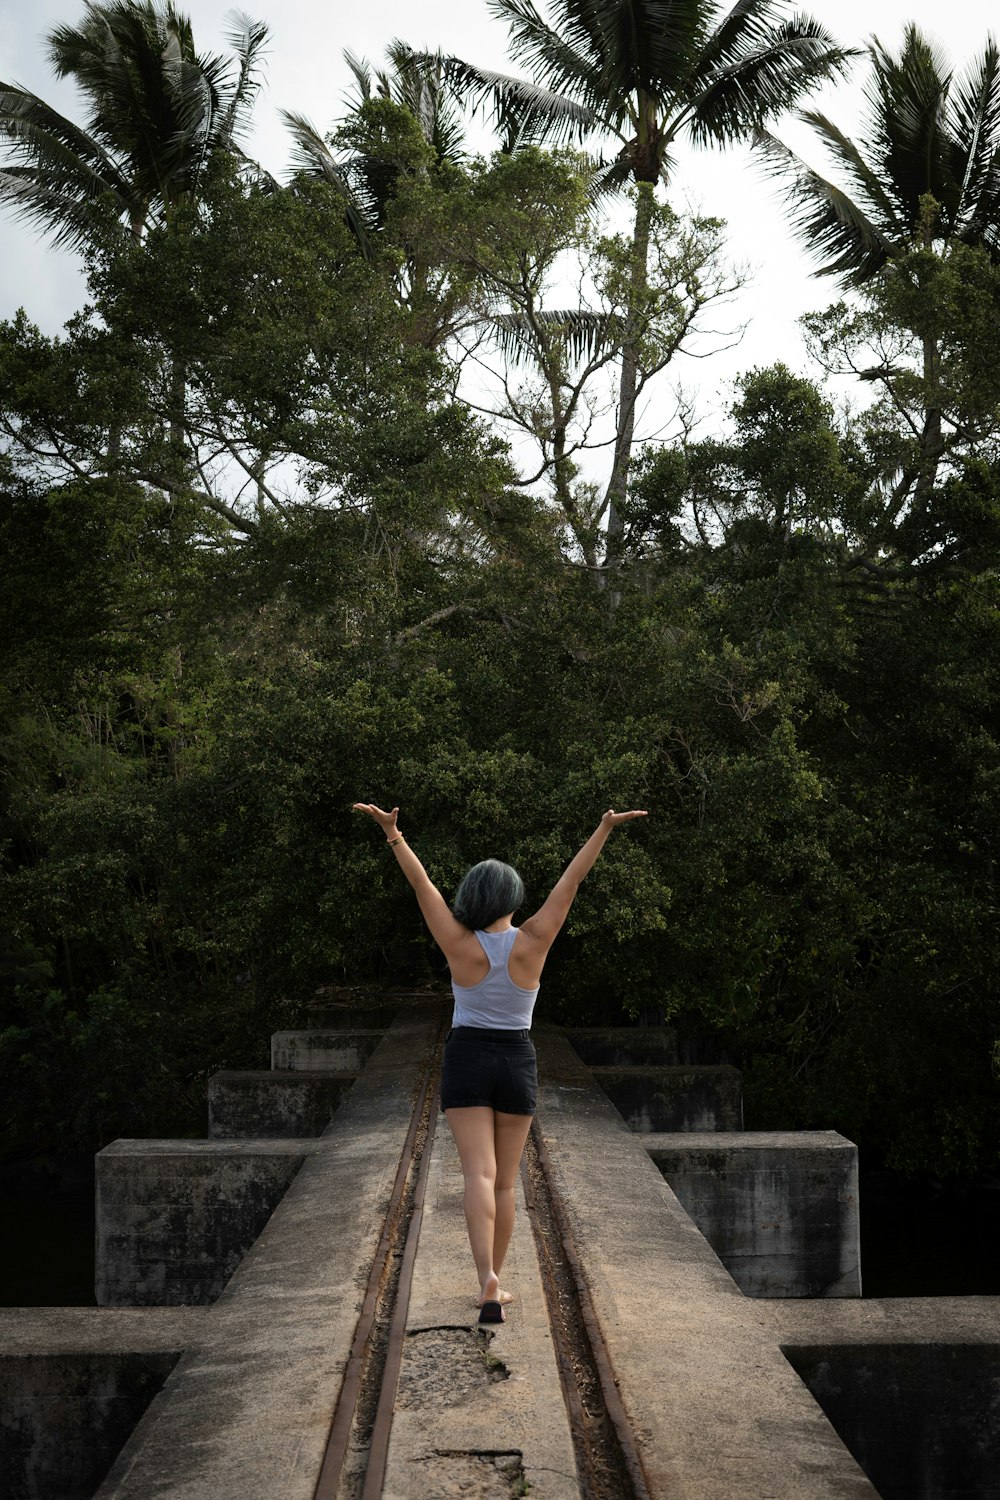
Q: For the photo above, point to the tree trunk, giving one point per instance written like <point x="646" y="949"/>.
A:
<point x="617" y="485"/>
<point x="931" y="443"/>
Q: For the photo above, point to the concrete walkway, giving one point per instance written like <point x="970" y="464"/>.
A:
<point x="245" y="1416"/>
<point x="716" y="1410"/>
<point x="477" y="1413"/>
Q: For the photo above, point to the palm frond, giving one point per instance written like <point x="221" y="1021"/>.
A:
<point x="743" y="28"/>
<point x="421" y="86"/>
<point x="50" y="162"/>
<point x="905" y="125"/>
<point x="69" y="218"/>
<point x="973" y="128"/>
<point x="361" y="68"/>
<point x="522" y="111"/>
<point x="836" y="231"/>
<point x="641" y="48"/>
<point x="763" y="81"/>
<point x="312" y="157"/>
<point x="248" y="39"/>
<point x="867" y="184"/>
<point x="564" y="62"/>
<point x="584" y="335"/>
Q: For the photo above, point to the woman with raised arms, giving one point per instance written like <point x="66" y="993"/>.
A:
<point x="489" y="1080"/>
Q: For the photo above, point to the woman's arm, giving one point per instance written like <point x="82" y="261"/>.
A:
<point x="446" y="930"/>
<point x="543" y="926"/>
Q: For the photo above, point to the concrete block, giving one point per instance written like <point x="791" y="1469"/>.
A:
<point x="246" y="1415"/>
<point x="272" y="1104"/>
<point x="175" y="1218"/>
<point x="331" y="1051"/>
<point x="64" y="1417"/>
<point x="675" y="1099"/>
<point x="779" y="1209"/>
<point x="920" y="1419"/>
<point x="624" y="1046"/>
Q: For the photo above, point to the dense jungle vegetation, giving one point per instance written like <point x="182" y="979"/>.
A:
<point x="264" y="555"/>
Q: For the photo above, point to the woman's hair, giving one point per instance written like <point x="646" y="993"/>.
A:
<point x="489" y="890"/>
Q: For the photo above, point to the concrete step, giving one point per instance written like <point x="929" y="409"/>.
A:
<point x="780" y="1209"/>
<point x="292" y="1104"/>
<point x="675" y="1098"/>
<point x="327" y="1049"/>
<point x="175" y="1218"/>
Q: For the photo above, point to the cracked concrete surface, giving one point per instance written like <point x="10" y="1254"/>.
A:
<point x="479" y="1413"/>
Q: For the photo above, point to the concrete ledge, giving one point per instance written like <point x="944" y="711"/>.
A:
<point x="718" y="1412"/>
<point x="274" y="1104"/>
<point x="175" y="1218"/>
<point x="675" y="1098"/>
<point x="99" y="1330"/>
<point x="888" y="1320"/>
<point x="779" y="1209"/>
<point x="624" y="1046"/>
<point x="328" y="1050"/>
<point x="246" y="1415"/>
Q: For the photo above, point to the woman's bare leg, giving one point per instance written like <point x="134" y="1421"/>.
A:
<point x="509" y="1135"/>
<point x="473" y="1130"/>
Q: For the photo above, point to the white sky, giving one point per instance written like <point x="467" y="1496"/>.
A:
<point x="305" y="71"/>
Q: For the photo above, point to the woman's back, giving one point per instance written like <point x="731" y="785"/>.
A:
<point x="495" y="1001"/>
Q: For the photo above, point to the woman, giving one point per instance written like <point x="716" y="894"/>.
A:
<point x="489" y="1080"/>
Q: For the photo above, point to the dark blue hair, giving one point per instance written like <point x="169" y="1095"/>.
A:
<point x="489" y="890"/>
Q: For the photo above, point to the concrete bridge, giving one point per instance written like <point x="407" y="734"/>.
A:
<point x="286" y="1307"/>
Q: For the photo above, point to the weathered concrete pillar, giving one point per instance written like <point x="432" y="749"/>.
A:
<point x="779" y="1209"/>
<point x="175" y="1218"/>
<point x="327" y="1050"/>
<point x="274" y="1105"/>
<point x="675" y="1099"/>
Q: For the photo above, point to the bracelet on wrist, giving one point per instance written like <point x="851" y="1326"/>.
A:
<point x="396" y="840"/>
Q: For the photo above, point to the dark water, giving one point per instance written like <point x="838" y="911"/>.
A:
<point x="47" y="1247"/>
<point x="918" y="1238"/>
<point x="921" y="1238"/>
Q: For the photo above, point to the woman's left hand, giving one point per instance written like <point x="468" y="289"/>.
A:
<point x="385" y="820"/>
<point x="611" y="819"/>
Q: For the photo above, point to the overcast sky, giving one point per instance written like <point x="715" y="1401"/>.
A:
<point x="305" y="71"/>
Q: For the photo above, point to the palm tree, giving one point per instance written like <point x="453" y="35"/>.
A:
<point x="366" y="182"/>
<point x="158" y="112"/>
<point x="925" y="134"/>
<point x="649" y="73"/>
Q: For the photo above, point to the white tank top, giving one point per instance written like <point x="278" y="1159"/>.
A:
<point x="496" y="1001"/>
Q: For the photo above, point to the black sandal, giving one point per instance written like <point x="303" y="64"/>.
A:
<point x="491" y="1312"/>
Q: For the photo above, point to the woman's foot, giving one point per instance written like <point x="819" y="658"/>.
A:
<point x="500" y="1297"/>
<point x="489" y="1290"/>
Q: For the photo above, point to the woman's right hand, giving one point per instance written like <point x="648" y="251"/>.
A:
<point x="385" y="820"/>
<point x="611" y="819"/>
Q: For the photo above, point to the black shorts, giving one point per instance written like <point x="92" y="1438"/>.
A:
<point x="496" y="1068"/>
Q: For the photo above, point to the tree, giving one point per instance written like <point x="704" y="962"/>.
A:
<point x="925" y="134"/>
<point x="649" y="72"/>
<point x="159" y="110"/>
<point x="925" y="171"/>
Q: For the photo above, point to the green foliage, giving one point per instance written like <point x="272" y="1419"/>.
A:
<point x="205" y="666"/>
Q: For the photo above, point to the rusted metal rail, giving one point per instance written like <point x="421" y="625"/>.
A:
<point x="416" y="1147"/>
